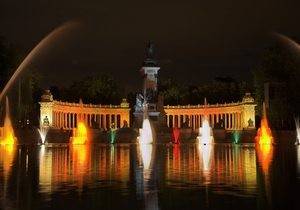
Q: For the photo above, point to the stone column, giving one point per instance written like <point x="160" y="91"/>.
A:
<point x="173" y="121"/>
<point x="239" y="121"/>
<point x="235" y="120"/>
<point x="225" y="121"/>
<point x="61" y="119"/>
<point x="69" y="120"/>
<point x="230" y="121"/>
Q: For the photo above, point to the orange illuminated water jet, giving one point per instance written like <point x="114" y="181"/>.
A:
<point x="265" y="155"/>
<point x="80" y="135"/>
<point x="264" y="134"/>
<point x="8" y="131"/>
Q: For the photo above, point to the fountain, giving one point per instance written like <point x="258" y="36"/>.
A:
<point x="146" y="134"/>
<point x="297" y="123"/>
<point x="8" y="137"/>
<point x="112" y="133"/>
<point x="236" y="137"/>
<point x="80" y="135"/>
<point x="264" y="134"/>
<point x="176" y="134"/>
<point x="205" y="133"/>
<point x="36" y="50"/>
<point x="206" y="154"/>
<point x="43" y="134"/>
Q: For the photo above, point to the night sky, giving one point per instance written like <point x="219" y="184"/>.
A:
<point x="195" y="40"/>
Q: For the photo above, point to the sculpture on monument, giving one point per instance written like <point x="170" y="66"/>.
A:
<point x="148" y="100"/>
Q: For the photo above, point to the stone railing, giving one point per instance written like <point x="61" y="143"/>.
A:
<point x="61" y="103"/>
<point x="203" y="106"/>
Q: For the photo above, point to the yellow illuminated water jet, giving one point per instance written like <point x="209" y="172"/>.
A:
<point x="80" y="135"/>
<point x="8" y="137"/>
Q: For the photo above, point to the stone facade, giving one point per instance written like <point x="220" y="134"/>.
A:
<point x="57" y="114"/>
<point x="230" y="116"/>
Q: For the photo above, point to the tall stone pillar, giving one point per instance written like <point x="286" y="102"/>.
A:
<point x="173" y="121"/>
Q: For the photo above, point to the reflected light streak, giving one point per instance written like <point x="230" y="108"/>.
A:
<point x="7" y="153"/>
<point x="206" y="153"/>
<point x="45" y="170"/>
<point x="146" y="153"/>
<point x="265" y="155"/>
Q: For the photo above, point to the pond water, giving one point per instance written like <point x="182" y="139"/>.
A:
<point x="129" y="176"/>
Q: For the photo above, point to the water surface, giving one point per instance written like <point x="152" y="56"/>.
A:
<point x="129" y="176"/>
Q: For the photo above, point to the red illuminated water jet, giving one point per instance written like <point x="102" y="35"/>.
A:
<point x="176" y="135"/>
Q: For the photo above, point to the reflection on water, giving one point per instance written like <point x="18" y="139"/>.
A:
<point x="146" y="155"/>
<point x="145" y="176"/>
<point x="265" y="155"/>
<point x="205" y="153"/>
<point x="298" y="160"/>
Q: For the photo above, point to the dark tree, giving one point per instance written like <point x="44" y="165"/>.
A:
<point x="280" y="70"/>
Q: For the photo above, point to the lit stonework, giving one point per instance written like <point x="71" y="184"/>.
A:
<point x="65" y="115"/>
<point x="233" y="116"/>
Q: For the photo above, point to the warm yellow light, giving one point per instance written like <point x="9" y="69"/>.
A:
<point x="146" y="153"/>
<point x="264" y="134"/>
<point x="80" y="134"/>
<point x="9" y="138"/>
<point x="265" y="155"/>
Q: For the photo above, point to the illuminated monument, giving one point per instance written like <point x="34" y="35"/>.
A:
<point x="149" y="97"/>
<point x="149" y="104"/>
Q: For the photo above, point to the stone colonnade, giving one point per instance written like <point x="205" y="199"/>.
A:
<point x="233" y="116"/>
<point x="66" y="115"/>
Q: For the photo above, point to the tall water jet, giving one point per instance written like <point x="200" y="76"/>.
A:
<point x="146" y="134"/>
<point x="80" y="135"/>
<point x="35" y="51"/>
<point x="112" y="133"/>
<point x="205" y="133"/>
<point x="297" y="123"/>
<point x="236" y="137"/>
<point x="264" y="134"/>
<point x="43" y="134"/>
<point x="8" y="137"/>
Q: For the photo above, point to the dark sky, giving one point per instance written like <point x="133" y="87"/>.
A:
<point x="195" y="40"/>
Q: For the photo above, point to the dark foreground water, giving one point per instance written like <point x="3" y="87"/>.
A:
<point x="124" y="176"/>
